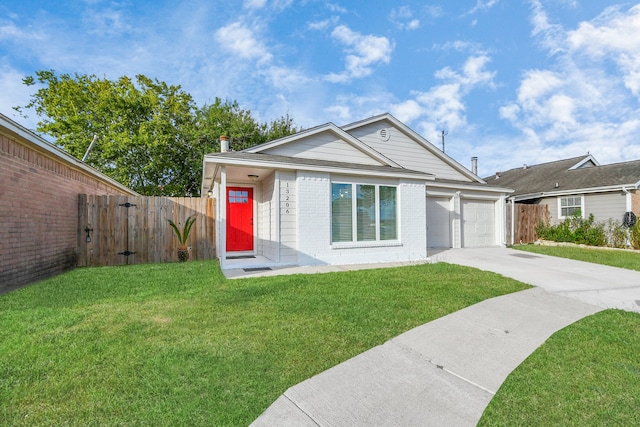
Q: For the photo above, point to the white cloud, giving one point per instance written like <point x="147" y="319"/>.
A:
<point x="483" y="5"/>
<point x="15" y="94"/>
<point x="613" y="35"/>
<point x="588" y="98"/>
<point x="241" y="41"/>
<point x="254" y="4"/>
<point x="324" y="24"/>
<point x="363" y="52"/>
<point x="443" y="105"/>
<point x="403" y="18"/>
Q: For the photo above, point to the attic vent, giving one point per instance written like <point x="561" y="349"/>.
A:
<point x="384" y="134"/>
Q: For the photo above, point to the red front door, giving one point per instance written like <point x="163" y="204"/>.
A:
<point x="239" y="219"/>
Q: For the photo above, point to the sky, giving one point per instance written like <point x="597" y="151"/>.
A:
<point x="510" y="82"/>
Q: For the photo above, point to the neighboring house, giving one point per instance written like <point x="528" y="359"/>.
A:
<point x="371" y="191"/>
<point x="579" y="183"/>
<point x="39" y="188"/>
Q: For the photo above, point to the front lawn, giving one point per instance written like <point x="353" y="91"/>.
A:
<point x="178" y="344"/>
<point x="587" y="374"/>
<point x="612" y="257"/>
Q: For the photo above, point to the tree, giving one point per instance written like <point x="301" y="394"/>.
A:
<point x="143" y="128"/>
<point x="151" y="136"/>
<point x="227" y="118"/>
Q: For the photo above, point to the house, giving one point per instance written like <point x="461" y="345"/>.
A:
<point x="371" y="191"/>
<point x="579" y="183"/>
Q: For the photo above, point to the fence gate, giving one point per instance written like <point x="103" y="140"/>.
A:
<point x="525" y="222"/>
<point x="121" y="230"/>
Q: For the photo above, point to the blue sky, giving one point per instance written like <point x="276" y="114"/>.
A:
<point x="511" y="82"/>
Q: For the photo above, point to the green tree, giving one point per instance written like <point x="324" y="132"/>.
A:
<point x="143" y="127"/>
<point x="151" y="136"/>
<point x="227" y="118"/>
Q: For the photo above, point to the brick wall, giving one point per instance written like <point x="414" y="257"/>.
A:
<point x="635" y="202"/>
<point x="39" y="208"/>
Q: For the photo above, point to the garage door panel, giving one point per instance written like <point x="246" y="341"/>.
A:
<point x="438" y="222"/>
<point x="478" y="223"/>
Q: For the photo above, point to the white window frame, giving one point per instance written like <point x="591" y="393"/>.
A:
<point x="354" y="217"/>
<point x="573" y="196"/>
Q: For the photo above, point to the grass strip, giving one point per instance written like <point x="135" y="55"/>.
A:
<point x="587" y="374"/>
<point x="614" y="258"/>
<point x="178" y="344"/>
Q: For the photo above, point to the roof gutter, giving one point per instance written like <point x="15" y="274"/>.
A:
<point x="325" y="168"/>
<point x="619" y="187"/>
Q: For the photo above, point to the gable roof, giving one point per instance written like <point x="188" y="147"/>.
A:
<point x="568" y="176"/>
<point x="419" y="139"/>
<point x="327" y="127"/>
<point x="212" y="161"/>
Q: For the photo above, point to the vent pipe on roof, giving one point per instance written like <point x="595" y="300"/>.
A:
<point x="224" y="144"/>
<point x="474" y="165"/>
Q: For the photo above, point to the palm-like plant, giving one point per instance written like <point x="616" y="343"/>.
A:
<point x="183" y="250"/>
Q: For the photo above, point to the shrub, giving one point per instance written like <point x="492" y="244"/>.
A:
<point x="635" y="235"/>
<point x="617" y="234"/>
<point x="574" y="229"/>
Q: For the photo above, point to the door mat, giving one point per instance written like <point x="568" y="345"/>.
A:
<point x="241" y="257"/>
<point x="256" y="269"/>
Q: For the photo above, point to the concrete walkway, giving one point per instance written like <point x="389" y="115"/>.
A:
<point x="444" y="373"/>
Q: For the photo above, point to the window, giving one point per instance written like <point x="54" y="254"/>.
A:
<point x="238" y="196"/>
<point x="570" y="205"/>
<point x="363" y="213"/>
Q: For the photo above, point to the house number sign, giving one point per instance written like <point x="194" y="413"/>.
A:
<point x="287" y="195"/>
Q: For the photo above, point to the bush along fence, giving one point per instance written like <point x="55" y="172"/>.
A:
<point x="586" y="231"/>
<point x="121" y="230"/>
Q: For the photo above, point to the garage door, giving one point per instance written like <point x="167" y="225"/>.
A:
<point x="478" y="223"/>
<point x="438" y="222"/>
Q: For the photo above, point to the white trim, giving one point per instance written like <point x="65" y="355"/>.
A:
<point x="469" y="186"/>
<point x="222" y="202"/>
<point x="581" y="163"/>
<point x="317" y="168"/>
<point x="366" y="244"/>
<point x="575" y="191"/>
<point x="354" y="215"/>
<point x="419" y="139"/>
<point x="559" y="203"/>
<point x="328" y="127"/>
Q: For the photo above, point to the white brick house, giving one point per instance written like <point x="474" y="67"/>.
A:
<point x="371" y="191"/>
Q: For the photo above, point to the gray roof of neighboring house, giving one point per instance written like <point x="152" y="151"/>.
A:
<point x="540" y="179"/>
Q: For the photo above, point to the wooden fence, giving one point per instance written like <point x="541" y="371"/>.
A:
<point x="121" y="230"/>
<point x="526" y="220"/>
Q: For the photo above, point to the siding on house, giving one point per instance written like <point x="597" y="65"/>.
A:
<point x="267" y="230"/>
<point x="288" y="212"/>
<point x="606" y="205"/>
<point x="602" y="205"/>
<point x="39" y="188"/>
<point x="323" y="146"/>
<point x="405" y="151"/>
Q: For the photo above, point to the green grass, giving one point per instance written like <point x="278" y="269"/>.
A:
<point x="615" y="258"/>
<point x="177" y="344"/>
<point x="587" y="374"/>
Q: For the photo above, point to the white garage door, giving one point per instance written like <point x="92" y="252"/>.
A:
<point x="478" y="223"/>
<point x="438" y="222"/>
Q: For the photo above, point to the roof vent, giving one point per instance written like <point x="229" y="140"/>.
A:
<point x="384" y="134"/>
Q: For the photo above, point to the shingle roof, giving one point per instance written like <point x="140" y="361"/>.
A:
<point x="542" y="178"/>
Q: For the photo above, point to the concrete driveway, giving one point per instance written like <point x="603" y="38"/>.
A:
<point x="444" y="373"/>
<point x="602" y="286"/>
